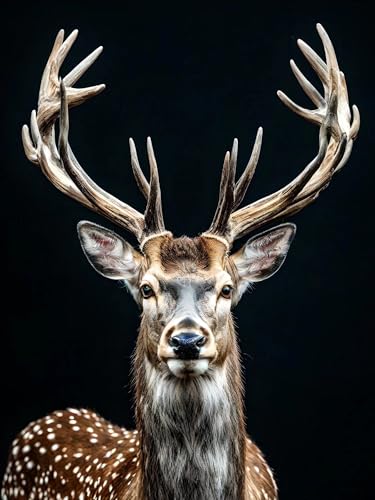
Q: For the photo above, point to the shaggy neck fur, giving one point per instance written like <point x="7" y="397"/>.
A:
<point x="192" y="431"/>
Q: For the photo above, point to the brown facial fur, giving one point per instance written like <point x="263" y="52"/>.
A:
<point x="199" y="253"/>
<point x="194" y="258"/>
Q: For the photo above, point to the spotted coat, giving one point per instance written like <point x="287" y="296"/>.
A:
<point x="76" y="454"/>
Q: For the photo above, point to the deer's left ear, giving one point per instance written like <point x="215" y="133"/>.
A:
<point x="263" y="255"/>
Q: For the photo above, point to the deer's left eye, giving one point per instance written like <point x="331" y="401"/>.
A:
<point x="226" y="292"/>
<point x="147" y="291"/>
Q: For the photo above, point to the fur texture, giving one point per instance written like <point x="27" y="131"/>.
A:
<point x="192" y="432"/>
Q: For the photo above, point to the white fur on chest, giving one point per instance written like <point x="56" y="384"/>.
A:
<point x="191" y="425"/>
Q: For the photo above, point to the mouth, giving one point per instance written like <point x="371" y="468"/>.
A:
<point x="187" y="368"/>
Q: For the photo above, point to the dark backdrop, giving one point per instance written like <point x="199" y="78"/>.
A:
<point x="193" y="78"/>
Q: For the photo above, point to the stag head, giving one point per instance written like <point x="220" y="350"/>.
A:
<point x="186" y="287"/>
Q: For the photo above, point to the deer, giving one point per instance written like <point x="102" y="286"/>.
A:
<point x="190" y="439"/>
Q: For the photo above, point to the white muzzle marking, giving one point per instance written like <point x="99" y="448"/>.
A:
<point x="188" y="368"/>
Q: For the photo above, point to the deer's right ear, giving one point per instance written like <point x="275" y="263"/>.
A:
<point x="109" y="254"/>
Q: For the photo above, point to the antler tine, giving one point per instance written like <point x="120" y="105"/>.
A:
<point x="231" y="194"/>
<point x="356" y="122"/>
<point x="35" y="134"/>
<point x="106" y="204"/>
<point x="64" y="49"/>
<point x="310" y="115"/>
<point x="151" y="190"/>
<point x="244" y="181"/>
<point x="45" y="81"/>
<point x="29" y="141"/>
<point x="141" y="180"/>
<point x="330" y="54"/>
<point x="225" y="204"/>
<point x="338" y="129"/>
<point x="318" y="65"/>
<point x="28" y="145"/>
<point x="75" y="74"/>
<point x="233" y="157"/>
<point x="154" y="222"/>
<point x="306" y="85"/>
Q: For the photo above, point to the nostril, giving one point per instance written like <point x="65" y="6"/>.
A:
<point x="201" y="341"/>
<point x="173" y="342"/>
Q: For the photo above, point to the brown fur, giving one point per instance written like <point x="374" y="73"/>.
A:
<point x="179" y="251"/>
<point x="83" y="453"/>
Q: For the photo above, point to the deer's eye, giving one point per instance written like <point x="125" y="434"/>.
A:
<point x="147" y="291"/>
<point x="226" y="292"/>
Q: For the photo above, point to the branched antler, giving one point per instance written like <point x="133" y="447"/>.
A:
<point x="338" y="129"/>
<point x="59" y="164"/>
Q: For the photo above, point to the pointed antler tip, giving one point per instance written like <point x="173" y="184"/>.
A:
<point x="71" y="38"/>
<point x="133" y="150"/>
<point x="234" y="151"/>
<point x="320" y="29"/>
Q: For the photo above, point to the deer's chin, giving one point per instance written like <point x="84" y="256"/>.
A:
<point x="185" y="368"/>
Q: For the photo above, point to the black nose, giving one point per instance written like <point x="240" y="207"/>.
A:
<point x="187" y="345"/>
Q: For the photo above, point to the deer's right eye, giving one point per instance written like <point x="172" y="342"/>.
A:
<point x="147" y="291"/>
<point x="226" y="291"/>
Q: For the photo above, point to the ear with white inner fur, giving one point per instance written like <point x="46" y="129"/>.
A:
<point x="109" y="254"/>
<point x="263" y="255"/>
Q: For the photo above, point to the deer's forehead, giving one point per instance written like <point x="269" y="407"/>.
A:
<point x="185" y="255"/>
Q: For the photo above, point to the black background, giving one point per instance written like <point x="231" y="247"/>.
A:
<point x="193" y="77"/>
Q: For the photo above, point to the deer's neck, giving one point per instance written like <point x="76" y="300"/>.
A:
<point x="192" y="432"/>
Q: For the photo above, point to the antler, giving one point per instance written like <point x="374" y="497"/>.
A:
<point x="338" y="129"/>
<point x="59" y="164"/>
